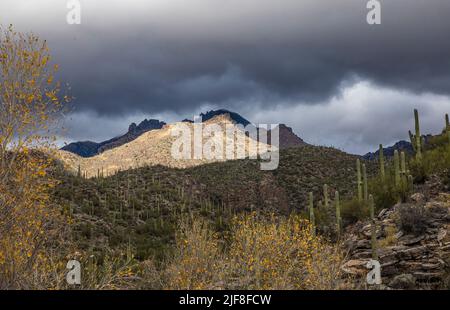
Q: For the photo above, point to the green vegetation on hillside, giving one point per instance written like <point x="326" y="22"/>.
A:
<point x="140" y="208"/>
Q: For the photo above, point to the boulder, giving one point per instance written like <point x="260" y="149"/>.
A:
<point x="403" y="281"/>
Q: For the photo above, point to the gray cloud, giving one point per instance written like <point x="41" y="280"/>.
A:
<point x="160" y="56"/>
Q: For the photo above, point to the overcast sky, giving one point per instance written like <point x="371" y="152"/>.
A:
<point x="315" y="65"/>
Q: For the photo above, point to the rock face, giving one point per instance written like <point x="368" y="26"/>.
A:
<point x="288" y="138"/>
<point x="134" y="131"/>
<point x="83" y="148"/>
<point x="408" y="261"/>
<point x="235" y="117"/>
<point x="89" y="148"/>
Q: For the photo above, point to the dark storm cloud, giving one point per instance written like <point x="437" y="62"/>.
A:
<point x="179" y="56"/>
<point x="171" y="58"/>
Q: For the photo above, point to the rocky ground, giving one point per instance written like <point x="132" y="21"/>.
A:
<point x="413" y="241"/>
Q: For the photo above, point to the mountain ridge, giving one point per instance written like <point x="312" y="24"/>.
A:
<point x="88" y="149"/>
<point x="155" y="148"/>
<point x="401" y="145"/>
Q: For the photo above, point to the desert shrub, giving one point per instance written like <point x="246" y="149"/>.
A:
<point x="412" y="219"/>
<point x="261" y="253"/>
<point x="197" y="262"/>
<point x="109" y="270"/>
<point x="385" y="192"/>
<point x="353" y="211"/>
<point x="389" y="237"/>
<point x="325" y="219"/>
<point x="437" y="141"/>
<point x="418" y="171"/>
<point x="281" y="253"/>
<point x="434" y="161"/>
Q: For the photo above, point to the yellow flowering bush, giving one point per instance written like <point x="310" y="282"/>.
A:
<point x="262" y="252"/>
<point x="198" y="262"/>
<point x="29" y="105"/>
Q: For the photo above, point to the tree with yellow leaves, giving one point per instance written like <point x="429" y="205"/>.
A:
<point x="30" y="105"/>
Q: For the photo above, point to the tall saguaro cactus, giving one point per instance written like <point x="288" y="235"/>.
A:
<point x="366" y="189"/>
<point x="418" y="136"/>
<point x="325" y="195"/>
<point x="312" y="218"/>
<point x="374" y="228"/>
<point x="411" y="183"/>
<point x="371" y="207"/>
<point x="358" y="179"/>
<point x="447" y="127"/>
<point x="382" y="171"/>
<point x="397" y="168"/>
<point x="403" y="172"/>
<point x="338" y="213"/>
<point x="412" y="140"/>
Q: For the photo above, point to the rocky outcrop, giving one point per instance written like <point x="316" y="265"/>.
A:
<point x="89" y="148"/>
<point x="408" y="261"/>
<point x="134" y="131"/>
<point x="288" y="138"/>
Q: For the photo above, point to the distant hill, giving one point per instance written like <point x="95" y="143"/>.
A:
<point x="89" y="148"/>
<point x="151" y="148"/>
<point x="404" y="146"/>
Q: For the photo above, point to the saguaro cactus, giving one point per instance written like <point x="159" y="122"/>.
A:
<point x="371" y="207"/>
<point x="447" y="128"/>
<point x="366" y="189"/>
<point x="358" y="179"/>
<point x="382" y="171"/>
<point x="374" y="228"/>
<point x="325" y="195"/>
<point x="413" y="140"/>
<point x="312" y="218"/>
<point x="418" y="136"/>
<point x="338" y="213"/>
<point x="411" y="183"/>
<point x="397" y="168"/>
<point x="403" y="173"/>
